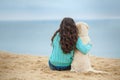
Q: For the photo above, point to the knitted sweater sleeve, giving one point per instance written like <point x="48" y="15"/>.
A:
<point x="83" y="48"/>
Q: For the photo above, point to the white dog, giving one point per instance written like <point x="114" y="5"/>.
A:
<point x="81" y="62"/>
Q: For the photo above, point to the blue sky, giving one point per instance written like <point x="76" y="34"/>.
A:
<point x="57" y="9"/>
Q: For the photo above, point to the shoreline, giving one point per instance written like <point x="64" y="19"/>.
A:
<point x="31" y="54"/>
<point x="28" y="67"/>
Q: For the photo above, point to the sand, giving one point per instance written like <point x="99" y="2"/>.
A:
<point x="28" y="67"/>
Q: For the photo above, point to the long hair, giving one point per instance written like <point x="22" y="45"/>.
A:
<point x="68" y="35"/>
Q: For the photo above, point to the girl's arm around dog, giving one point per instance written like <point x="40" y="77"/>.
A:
<point x="83" y="48"/>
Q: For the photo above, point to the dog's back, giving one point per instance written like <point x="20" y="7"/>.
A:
<point x="81" y="63"/>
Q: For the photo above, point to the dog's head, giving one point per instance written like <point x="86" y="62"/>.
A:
<point x="82" y="28"/>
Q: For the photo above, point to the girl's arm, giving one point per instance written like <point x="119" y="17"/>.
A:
<point x="83" y="48"/>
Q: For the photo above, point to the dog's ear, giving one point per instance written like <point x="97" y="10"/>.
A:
<point x="85" y="26"/>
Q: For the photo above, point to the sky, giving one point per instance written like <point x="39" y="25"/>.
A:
<point x="57" y="9"/>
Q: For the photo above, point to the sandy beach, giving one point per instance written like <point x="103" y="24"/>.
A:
<point x="27" y="67"/>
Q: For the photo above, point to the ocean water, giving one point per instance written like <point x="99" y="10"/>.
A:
<point x="34" y="37"/>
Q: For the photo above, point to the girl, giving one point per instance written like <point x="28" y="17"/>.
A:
<point x="64" y="41"/>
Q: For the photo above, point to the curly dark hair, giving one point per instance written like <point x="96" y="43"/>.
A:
<point x="68" y="35"/>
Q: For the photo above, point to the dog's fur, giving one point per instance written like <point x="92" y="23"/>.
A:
<point x="81" y="62"/>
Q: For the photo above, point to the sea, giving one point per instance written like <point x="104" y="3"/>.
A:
<point x="34" y="37"/>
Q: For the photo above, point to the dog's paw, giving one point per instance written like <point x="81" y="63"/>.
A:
<point x="72" y="70"/>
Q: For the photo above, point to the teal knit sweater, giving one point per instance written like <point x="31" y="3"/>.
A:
<point x="59" y="58"/>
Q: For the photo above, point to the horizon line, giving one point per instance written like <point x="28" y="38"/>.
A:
<point x="59" y="19"/>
